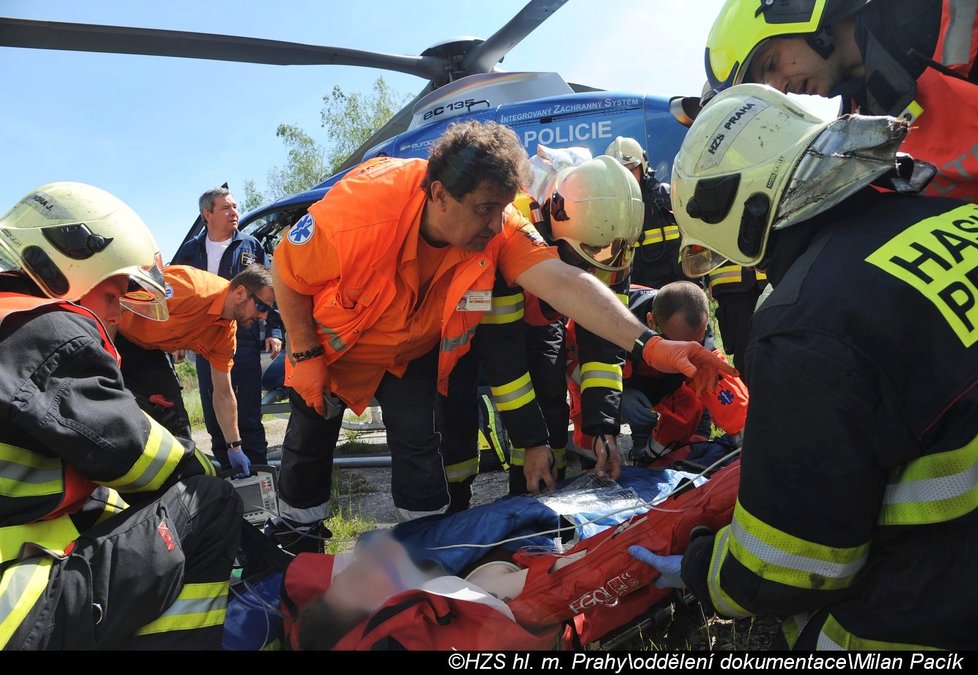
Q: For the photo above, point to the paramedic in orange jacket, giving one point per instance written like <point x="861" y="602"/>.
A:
<point x="205" y="311"/>
<point x="383" y="284"/>
<point x="914" y="59"/>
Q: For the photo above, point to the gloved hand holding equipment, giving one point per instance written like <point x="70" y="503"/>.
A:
<point x="240" y="464"/>
<point x="669" y="566"/>
<point x="636" y="408"/>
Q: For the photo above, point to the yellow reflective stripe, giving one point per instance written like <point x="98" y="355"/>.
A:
<point x="28" y="474"/>
<point x="513" y="395"/>
<point x="160" y="457"/>
<point x="933" y="489"/>
<point x="722" y="602"/>
<point x="759" y="275"/>
<point x="623" y="297"/>
<point x="834" y="636"/>
<point x="459" y="471"/>
<point x="728" y="274"/>
<point x="792" y="627"/>
<point x="505" y="309"/>
<point x="450" y="343"/>
<point x="20" y="587"/>
<point x="517" y="456"/>
<point x="596" y="374"/>
<point x="658" y="235"/>
<point x="197" y="606"/>
<point x="560" y="454"/>
<point x="777" y="556"/>
<point x="205" y="461"/>
<point x="114" y="503"/>
<point x="54" y="535"/>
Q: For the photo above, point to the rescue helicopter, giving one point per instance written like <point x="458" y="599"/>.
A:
<point x="464" y="81"/>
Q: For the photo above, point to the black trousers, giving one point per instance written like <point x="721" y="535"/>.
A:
<point x="418" y="480"/>
<point x="171" y="557"/>
<point x="149" y="375"/>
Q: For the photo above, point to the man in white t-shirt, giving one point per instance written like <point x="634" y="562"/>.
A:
<point x="222" y="250"/>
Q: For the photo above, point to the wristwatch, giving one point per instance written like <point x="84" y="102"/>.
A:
<point x="308" y="354"/>
<point x="233" y="444"/>
<point x="639" y="347"/>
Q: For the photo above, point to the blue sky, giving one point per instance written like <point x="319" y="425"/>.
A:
<point x="158" y="131"/>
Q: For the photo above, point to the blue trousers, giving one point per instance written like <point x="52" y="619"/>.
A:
<point x="246" y="382"/>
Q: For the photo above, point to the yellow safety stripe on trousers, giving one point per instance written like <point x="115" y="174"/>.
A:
<point x="759" y="275"/>
<point x="21" y="586"/>
<point x="659" y="234"/>
<point x="834" y="636"/>
<point x="161" y="455"/>
<point x="28" y="474"/>
<point x="596" y="374"/>
<point x="933" y="489"/>
<point x="728" y="274"/>
<point x="777" y="556"/>
<point x="722" y="602"/>
<point x="560" y="454"/>
<point x="505" y="309"/>
<point x="459" y="471"/>
<point x="514" y="394"/>
<point x="197" y="606"/>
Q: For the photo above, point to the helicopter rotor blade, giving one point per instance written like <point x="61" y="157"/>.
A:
<point x="154" y="42"/>
<point x="483" y="57"/>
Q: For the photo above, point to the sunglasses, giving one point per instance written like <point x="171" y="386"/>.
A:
<point x="259" y="305"/>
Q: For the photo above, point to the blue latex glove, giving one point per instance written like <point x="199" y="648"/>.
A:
<point x="240" y="464"/>
<point x="637" y="409"/>
<point x="668" y="566"/>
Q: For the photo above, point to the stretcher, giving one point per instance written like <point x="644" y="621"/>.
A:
<point x="600" y="592"/>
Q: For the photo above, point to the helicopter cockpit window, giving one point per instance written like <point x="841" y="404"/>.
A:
<point x="269" y="228"/>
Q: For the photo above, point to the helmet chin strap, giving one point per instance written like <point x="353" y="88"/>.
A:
<point x="822" y="42"/>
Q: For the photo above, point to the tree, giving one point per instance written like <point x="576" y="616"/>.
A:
<point x="349" y="120"/>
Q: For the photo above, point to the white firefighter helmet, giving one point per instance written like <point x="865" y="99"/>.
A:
<point x="629" y="153"/>
<point x="755" y="161"/>
<point x="596" y="209"/>
<point x="69" y="237"/>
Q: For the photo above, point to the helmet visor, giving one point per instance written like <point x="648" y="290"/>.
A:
<point x="699" y="261"/>
<point x="614" y="257"/>
<point x="145" y="295"/>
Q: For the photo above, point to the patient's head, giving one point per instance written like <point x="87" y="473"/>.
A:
<point x="378" y="568"/>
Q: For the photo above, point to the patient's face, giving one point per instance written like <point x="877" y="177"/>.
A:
<point x="380" y="568"/>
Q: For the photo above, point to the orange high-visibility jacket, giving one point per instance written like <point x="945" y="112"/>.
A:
<point x="367" y="221"/>
<point x="946" y="133"/>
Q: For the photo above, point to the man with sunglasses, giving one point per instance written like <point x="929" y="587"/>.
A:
<point x="206" y="311"/>
<point x="222" y="249"/>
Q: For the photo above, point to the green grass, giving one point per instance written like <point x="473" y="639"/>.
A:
<point x="187" y="375"/>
